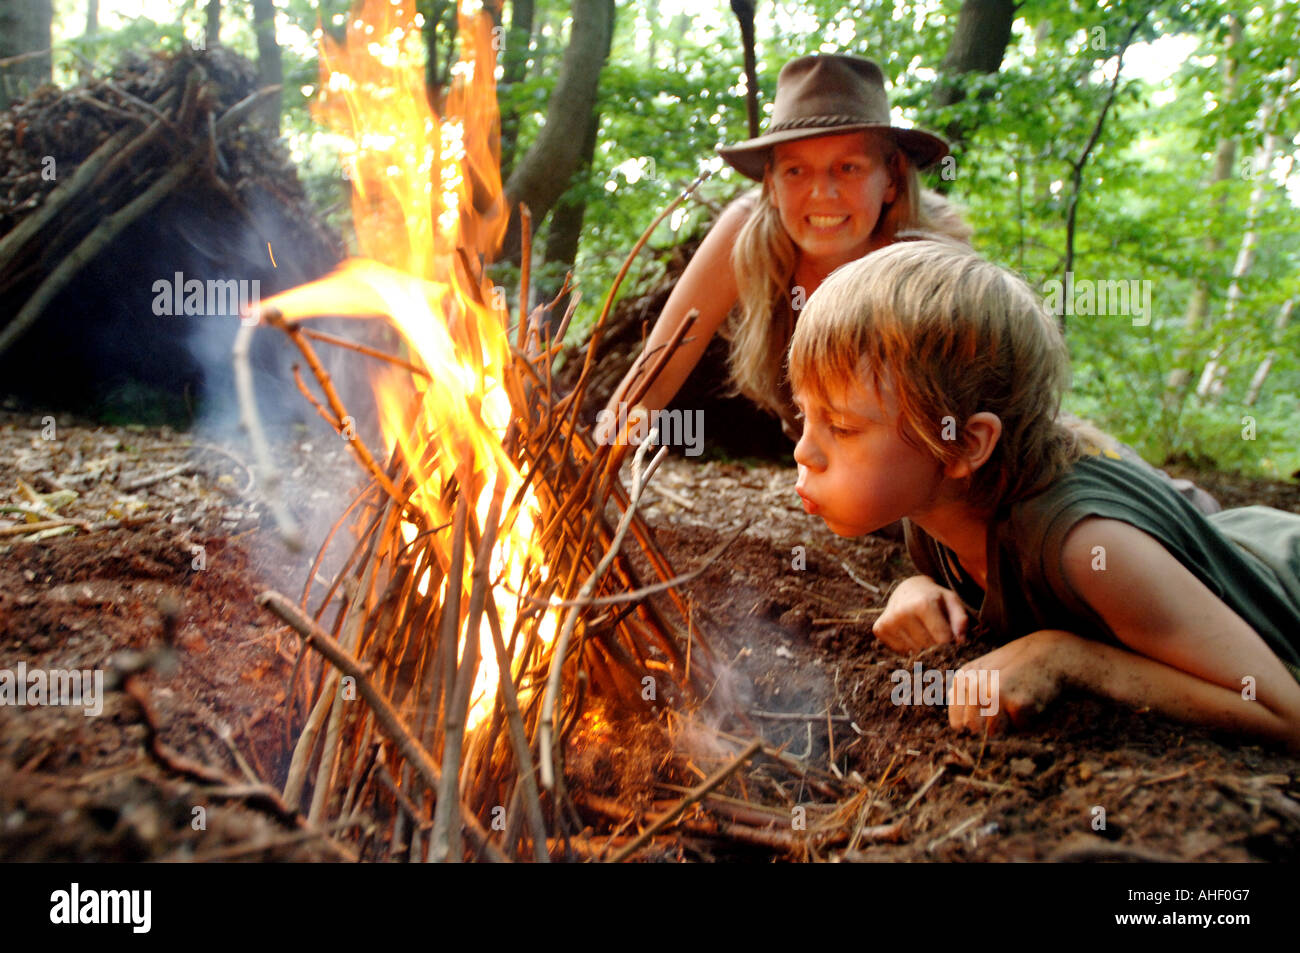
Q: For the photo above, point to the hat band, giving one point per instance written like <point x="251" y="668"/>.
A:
<point x="806" y="122"/>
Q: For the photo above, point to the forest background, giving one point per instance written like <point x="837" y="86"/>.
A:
<point x="1148" y="144"/>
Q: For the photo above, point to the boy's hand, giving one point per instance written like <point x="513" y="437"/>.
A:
<point x="919" y="614"/>
<point x="1025" y="676"/>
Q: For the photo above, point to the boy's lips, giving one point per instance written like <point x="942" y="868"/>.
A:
<point x="809" y="504"/>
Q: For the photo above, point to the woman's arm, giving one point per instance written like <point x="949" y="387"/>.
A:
<point x="708" y="285"/>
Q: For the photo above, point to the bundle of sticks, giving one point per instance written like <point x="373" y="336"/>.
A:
<point x="400" y="622"/>
<point x="84" y="165"/>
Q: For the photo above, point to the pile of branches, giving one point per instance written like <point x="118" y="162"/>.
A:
<point x="409" y="645"/>
<point x="78" y="167"/>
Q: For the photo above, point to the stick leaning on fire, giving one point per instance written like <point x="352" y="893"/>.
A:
<point x="401" y="636"/>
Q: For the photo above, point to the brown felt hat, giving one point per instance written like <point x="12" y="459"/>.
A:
<point x="824" y="95"/>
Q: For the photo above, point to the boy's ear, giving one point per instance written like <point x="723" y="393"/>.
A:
<point x="981" y="435"/>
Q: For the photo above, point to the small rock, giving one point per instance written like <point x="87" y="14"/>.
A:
<point x="1023" y="767"/>
<point x="795" y="619"/>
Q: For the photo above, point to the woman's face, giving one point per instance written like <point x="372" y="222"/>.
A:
<point x="830" y="192"/>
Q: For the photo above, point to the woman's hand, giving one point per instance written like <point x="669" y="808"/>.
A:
<point x="921" y="613"/>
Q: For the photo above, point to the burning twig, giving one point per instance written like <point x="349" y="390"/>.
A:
<point x="639" y="481"/>
<point x="392" y="722"/>
<point x="695" y="794"/>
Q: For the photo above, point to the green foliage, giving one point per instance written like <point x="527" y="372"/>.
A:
<point x="1147" y="209"/>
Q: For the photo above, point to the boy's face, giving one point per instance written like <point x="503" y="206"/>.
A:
<point x="855" y="471"/>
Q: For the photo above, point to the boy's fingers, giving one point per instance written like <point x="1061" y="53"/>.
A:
<point x="936" y="628"/>
<point x="912" y="636"/>
<point x="957" y="617"/>
<point x="888" y="633"/>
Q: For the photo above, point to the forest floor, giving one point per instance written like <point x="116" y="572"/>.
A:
<point x="178" y="561"/>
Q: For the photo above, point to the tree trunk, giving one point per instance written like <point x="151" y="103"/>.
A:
<point x="1212" y="377"/>
<point x="92" y="30"/>
<point x="744" y="11"/>
<point x="565" y="226"/>
<point x="681" y="26"/>
<point x="270" y="67"/>
<point x="1261" y="373"/>
<point x="437" y="68"/>
<point x="1211" y="382"/>
<point x="544" y="173"/>
<point x="978" y="45"/>
<point x="652" y="16"/>
<point x="212" y="25"/>
<point x="1076" y="186"/>
<point x="24" y="47"/>
<point x="514" y="65"/>
<point x="1225" y="157"/>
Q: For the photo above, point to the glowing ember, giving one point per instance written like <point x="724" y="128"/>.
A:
<point x="427" y="206"/>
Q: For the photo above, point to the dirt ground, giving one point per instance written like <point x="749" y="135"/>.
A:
<point x="168" y="570"/>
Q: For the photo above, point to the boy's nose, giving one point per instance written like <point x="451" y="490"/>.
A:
<point x="807" y="454"/>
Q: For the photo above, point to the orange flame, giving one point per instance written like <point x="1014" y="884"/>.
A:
<point x="427" y="188"/>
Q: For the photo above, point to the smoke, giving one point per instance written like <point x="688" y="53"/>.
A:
<point x="762" y="678"/>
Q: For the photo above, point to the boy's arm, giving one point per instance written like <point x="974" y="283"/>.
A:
<point x="1193" y="651"/>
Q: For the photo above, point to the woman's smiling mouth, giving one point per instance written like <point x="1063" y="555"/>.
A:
<point x="826" y="221"/>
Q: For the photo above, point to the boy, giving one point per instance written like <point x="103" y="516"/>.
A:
<point x="930" y="382"/>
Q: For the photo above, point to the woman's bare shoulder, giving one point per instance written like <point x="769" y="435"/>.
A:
<point x="738" y="211"/>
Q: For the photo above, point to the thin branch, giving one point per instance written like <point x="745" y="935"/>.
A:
<point x="1087" y="151"/>
<point x="387" y="716"/>
<point x="697" y="792"/>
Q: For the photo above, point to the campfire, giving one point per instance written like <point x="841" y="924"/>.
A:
<point x="485" y="613"/>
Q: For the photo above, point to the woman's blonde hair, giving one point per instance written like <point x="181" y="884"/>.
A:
<point x="950" y="335"/>
<point x="764" y="257"/>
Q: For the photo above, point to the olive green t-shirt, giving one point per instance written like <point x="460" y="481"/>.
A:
<point x="1249" y="558"/>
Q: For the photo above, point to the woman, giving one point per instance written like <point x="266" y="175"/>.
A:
<point x="838" y="182"/>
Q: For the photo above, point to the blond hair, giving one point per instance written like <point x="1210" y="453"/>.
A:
<point x="764" y="258"/>
<point x="950" y="335"/>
